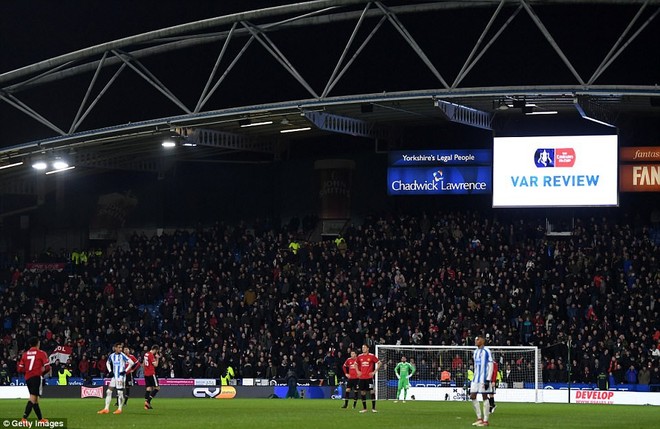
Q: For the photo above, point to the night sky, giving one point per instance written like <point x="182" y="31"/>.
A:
<point x="35" y="30"/>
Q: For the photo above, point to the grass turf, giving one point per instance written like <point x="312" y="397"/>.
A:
<point x="283" y="413"/>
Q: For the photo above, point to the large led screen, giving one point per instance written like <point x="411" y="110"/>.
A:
<point x="555" y="171"/>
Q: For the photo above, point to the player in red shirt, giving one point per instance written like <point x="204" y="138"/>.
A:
<point x="150" y="362"/>
<point x="130" y="374"/>
<point x="493" y="382"/>
<point x="368" y="365"/>
<point x="34" y="364"/>
<point x="350" y="371"/>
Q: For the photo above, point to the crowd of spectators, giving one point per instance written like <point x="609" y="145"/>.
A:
<point x="239" y="295"/>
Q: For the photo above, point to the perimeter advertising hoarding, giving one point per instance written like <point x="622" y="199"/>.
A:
<point x="555" y="171"/>
<point x="441" y="157"/>
<point x="439" y="180"/>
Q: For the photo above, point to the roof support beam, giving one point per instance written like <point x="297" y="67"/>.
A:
<point x="265" y="41"/>
<point x="18" y="104"/>
<point x="205" y="91"/>
<point x="594" y="112"/>
<point x="411" y="41"/>
<point x="76" y="122"/>
<point x="550" y="39"/>
<point x="122" y="162"/>
<point x="465" y="115"/>
<point x="79" y="118"/>
<point x="332" y="81"/>
<point x="355" y="55"/>
<point x="345" y="125"/>
<point x="203" y="100"/>
<point x="224" y="140"/>
<point x="143" y="72"/>
<point x="469" y="62"/>
<point x="611" y="55"/>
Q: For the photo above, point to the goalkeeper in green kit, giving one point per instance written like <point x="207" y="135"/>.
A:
<point x="403" y="370"/>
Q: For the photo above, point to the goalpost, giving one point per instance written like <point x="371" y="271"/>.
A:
<point x="520" y="367"/>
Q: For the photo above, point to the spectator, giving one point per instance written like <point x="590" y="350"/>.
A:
<point x="165" y="370"/>
<point x="83" y="366"/>
<point x="644" y="376"/>
<point x="187" y="367"/>
<point x="55" y="368"/>
<point x="619" y="374"/>
<point x="247" y="370"/>
<point x="5" y="380"/>
<point x="445" y="377"/>
<point x="631" y="375"/>
<point x="196" y="370"/>
<point x="213" y="371"/>
<point x="271" y="370"/>
<point x="63" y="375"/>
<point x="456" y="363"/>
<point x="655" y="378"/>
<point x="101" y="365"/>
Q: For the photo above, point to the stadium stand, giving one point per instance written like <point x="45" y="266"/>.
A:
<point x="235" y="295"/>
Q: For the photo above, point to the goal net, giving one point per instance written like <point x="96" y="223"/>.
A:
<point x="442" y="372"/>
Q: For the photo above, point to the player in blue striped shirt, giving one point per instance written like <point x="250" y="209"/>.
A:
<point x="483" y="371"/>
<point x="118" y="364"/>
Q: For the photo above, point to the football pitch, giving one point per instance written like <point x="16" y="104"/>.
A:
<point x="301" y="413"/>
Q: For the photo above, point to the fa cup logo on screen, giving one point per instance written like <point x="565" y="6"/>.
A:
<point x="544" y="158"/>
<point x="550" y="158"/>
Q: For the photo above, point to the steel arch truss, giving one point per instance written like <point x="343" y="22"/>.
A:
<point x="367" y="19"/>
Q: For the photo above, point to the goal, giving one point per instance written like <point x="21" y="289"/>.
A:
<point x="520" y="367"/>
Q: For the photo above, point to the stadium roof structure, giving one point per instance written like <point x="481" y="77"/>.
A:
<point x="246" y="85"/>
